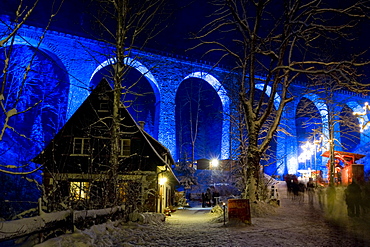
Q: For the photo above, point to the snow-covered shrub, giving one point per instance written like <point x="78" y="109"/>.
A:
<point x="147" y="218"/>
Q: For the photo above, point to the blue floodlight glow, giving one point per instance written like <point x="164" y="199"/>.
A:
<point x="140" y="92"/>
<point x="63" y="72"/>
<point x="39" y="96"/>
<point x="199" y="120"/>
<point x="133" y="64"/>
<point x="277" y="98"/>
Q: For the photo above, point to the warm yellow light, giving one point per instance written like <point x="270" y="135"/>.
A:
<point x="162" y="180"/>
<point x="79" y="190"/>
<point x="214" y="162"/>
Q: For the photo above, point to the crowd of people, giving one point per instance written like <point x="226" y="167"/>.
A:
<point x="356" y="198"/>
<point x="295" y="187"/>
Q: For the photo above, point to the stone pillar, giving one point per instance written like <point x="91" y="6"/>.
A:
<point x="287" y="144"/>
<point x="169" y="81"/>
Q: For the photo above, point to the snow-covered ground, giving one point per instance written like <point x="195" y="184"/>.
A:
<point x="294" y="223"/>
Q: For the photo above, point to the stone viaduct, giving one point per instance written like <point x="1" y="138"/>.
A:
<point x="81" y="59"/>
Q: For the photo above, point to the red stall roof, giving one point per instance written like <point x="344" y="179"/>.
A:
<point x="346" y="155"/>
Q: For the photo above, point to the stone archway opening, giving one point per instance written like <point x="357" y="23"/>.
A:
<point x="138" y="96"/>
<point x="199" y="121"/>
<point x="225" y="101"/>
<point x="350" y="136"/>
<point x="269" y="159"/>
<point x="36" y="88"/>
<point x="309" y="126"/>
<point x="36" y="85"/>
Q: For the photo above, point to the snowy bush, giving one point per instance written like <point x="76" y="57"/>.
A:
<point x="147" y="218"/>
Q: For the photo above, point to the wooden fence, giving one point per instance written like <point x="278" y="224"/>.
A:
<point x="48" y="225"/>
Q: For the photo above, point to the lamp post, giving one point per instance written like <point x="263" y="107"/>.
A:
<point x="306" y="154"/>
<point x="309" y="149"/>
<point x="214" y="164"/>
<point x="224" y="207"/>
<point x="310" y="152"/>
<point x="317" y="144"/>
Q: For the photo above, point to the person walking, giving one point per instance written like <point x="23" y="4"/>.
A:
<point x="353" y="199"/>
<point x="310" y="190"/>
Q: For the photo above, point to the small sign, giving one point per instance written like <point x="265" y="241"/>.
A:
<point x="239" y="210"/>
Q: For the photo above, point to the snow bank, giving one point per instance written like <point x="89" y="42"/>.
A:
<point x="21" y="227"/>
<point x="104" y="234"/>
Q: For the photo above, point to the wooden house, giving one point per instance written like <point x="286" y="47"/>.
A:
<point x="78" y="172"/>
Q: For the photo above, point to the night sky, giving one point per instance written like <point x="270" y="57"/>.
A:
<point x="180" y="20"/>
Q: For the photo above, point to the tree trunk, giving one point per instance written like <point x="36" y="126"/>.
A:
<point x="252" y="175"/>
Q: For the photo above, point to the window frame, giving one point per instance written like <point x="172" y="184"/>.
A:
<point x="125" y="150"/>
<point x="103" y="106"/>
<point x="79" y="190"/>
<point x="84" y="150"/>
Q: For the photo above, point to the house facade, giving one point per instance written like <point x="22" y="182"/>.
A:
<point x="77" y="171"/>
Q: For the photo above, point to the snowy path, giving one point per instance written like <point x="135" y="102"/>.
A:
<point x="293" y="224"/>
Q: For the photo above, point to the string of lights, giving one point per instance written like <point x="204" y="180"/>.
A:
<point x="363" y="123"/>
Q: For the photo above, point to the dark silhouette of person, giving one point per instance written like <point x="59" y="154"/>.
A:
<point x="310" y="190"/>
<point x="288" y="181"/>
<point x="353" y="199"/>
<point x="365" y="202"/>
<point x="208" y="197"/>
<point x="295" y="188"/>
<point x="203" y="200"/>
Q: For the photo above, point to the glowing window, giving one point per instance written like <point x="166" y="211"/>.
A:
<point x="125" y="147"/>
<point x="81" y="146"/>
<point x="123" y="191"/>
<point x="79" y="190"/>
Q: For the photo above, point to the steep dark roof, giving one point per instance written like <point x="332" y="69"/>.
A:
<point x="87" y="114"/>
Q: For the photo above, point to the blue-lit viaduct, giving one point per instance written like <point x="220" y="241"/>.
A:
<point x="82" y="59"/>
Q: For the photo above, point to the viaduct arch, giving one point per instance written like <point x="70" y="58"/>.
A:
<point x="225" y="137"/>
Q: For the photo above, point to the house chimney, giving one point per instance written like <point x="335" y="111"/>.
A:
<point x="141" y="124"/>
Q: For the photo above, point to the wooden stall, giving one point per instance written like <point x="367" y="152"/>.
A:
<point x="346" y="168"/>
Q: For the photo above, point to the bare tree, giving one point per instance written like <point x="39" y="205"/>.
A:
<point x="24" y="105"/>
<point x="126" y="25"/>
<point x="197" y="105"/>
<point x="272" y="44"/>
<point x="327" y="120"/>
<point x="18" y="69"/>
